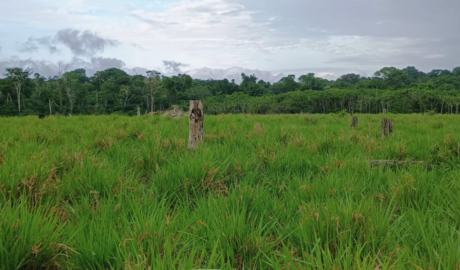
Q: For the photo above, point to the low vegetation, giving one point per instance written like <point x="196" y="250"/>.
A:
<point x="261" y="192"/>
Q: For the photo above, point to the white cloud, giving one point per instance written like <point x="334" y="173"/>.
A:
<point x="225" y="33"/>
<point x="434" y="56"/>
<point x="234" y="73"/>
<point x="48" y="68"/>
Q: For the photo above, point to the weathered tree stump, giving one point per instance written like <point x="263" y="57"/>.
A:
<point x="382" y="128"/>
<point x="138" y="111"/>
<point x="196" y="123"/>
<point x="41" y="116"/>
<point x="386" y="128"/>
<point x="175" y="112"/>
<point x="354" y="122"/>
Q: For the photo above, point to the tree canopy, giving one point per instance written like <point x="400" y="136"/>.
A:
<point x="407" y="90"/>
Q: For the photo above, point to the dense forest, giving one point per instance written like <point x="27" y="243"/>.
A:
<point x="408" y="90"/>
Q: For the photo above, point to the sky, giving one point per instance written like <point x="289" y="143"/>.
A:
<point x="222" y="38"/>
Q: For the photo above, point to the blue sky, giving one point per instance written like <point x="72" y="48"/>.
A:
<point x="329" y="37"/>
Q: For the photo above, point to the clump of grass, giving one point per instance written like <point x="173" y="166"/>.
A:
<point x="438" y="125"/>
<point x="342" y="114"/>
<point x="431" y="113"/>
<point x="31" y="238"/>
<point x="446" y="152"/>
<point x="339" y="114"/>
<point x="2" y="157"/>
<point x="311" y="120"/>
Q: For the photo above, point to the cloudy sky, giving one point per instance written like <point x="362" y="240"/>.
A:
<point x="220" y="38"/>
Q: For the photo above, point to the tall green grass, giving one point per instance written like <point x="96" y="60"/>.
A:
<point x="261" y="192"/>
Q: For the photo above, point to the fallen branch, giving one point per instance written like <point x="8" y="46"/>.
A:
<point x="395" y="162"/>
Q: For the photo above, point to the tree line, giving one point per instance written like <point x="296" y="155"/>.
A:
<point x="408" y="90"/>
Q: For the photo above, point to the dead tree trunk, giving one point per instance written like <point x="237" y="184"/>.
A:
<point x="382" y="128"/>
<point x="196" y="123"/>
<point x="395" y="162"/>
<point x="386" y="128"/>
<point x="138" y="111"/>
<point x="354" y="122"/>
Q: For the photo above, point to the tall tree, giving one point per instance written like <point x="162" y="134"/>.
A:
<point x="456" y="71"/>
<point x="393" y="77"/>
<point x="198" y="92"/>
<point x="348" y="80"/>
<point x="289" y="83"/>
<point x="124" y="96"/>
<point x="18" y="76"/>
<point x="415" y="75"/>
<point x="249" y="86"/>
<point x="38" y="82"/>
<point x="310" y="82"/>
<point x="70" y="83"/>
<point x="153" y="84"/>
<point x="49" y="93"/>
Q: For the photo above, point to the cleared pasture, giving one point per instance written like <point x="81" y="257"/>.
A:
<point x="261" y="192"/>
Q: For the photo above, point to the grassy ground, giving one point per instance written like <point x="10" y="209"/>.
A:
<point x="262" y="192"/>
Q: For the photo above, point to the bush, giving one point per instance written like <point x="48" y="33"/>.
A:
<point x="432" y="112"/>
<point x="342" y="114"/>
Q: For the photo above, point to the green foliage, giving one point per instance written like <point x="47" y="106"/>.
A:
<point x="250" y="86"/>
<point x="311" y="120"/>
<point x="395" y="90"/>
<point x="261" y="192"/>
<point x="31" y="237"/>
<point x="393" y="78"/>
<point x="342" y="114"/>
<point x="198" y="92"/>
<point x="310" y="82"/>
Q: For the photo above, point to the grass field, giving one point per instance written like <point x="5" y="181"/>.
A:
<point x="262" y="192"/>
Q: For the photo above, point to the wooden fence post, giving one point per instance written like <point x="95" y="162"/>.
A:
<point x="196" y="123"/>
<point x="382" y="128"/>
<point x="354" y="122"/>
<point x="386" y="128"/>
<point x="138" y="111"/>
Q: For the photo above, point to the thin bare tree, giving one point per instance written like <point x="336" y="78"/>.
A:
<point x="70" y="87"/>
<point x="153" y="85"/>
